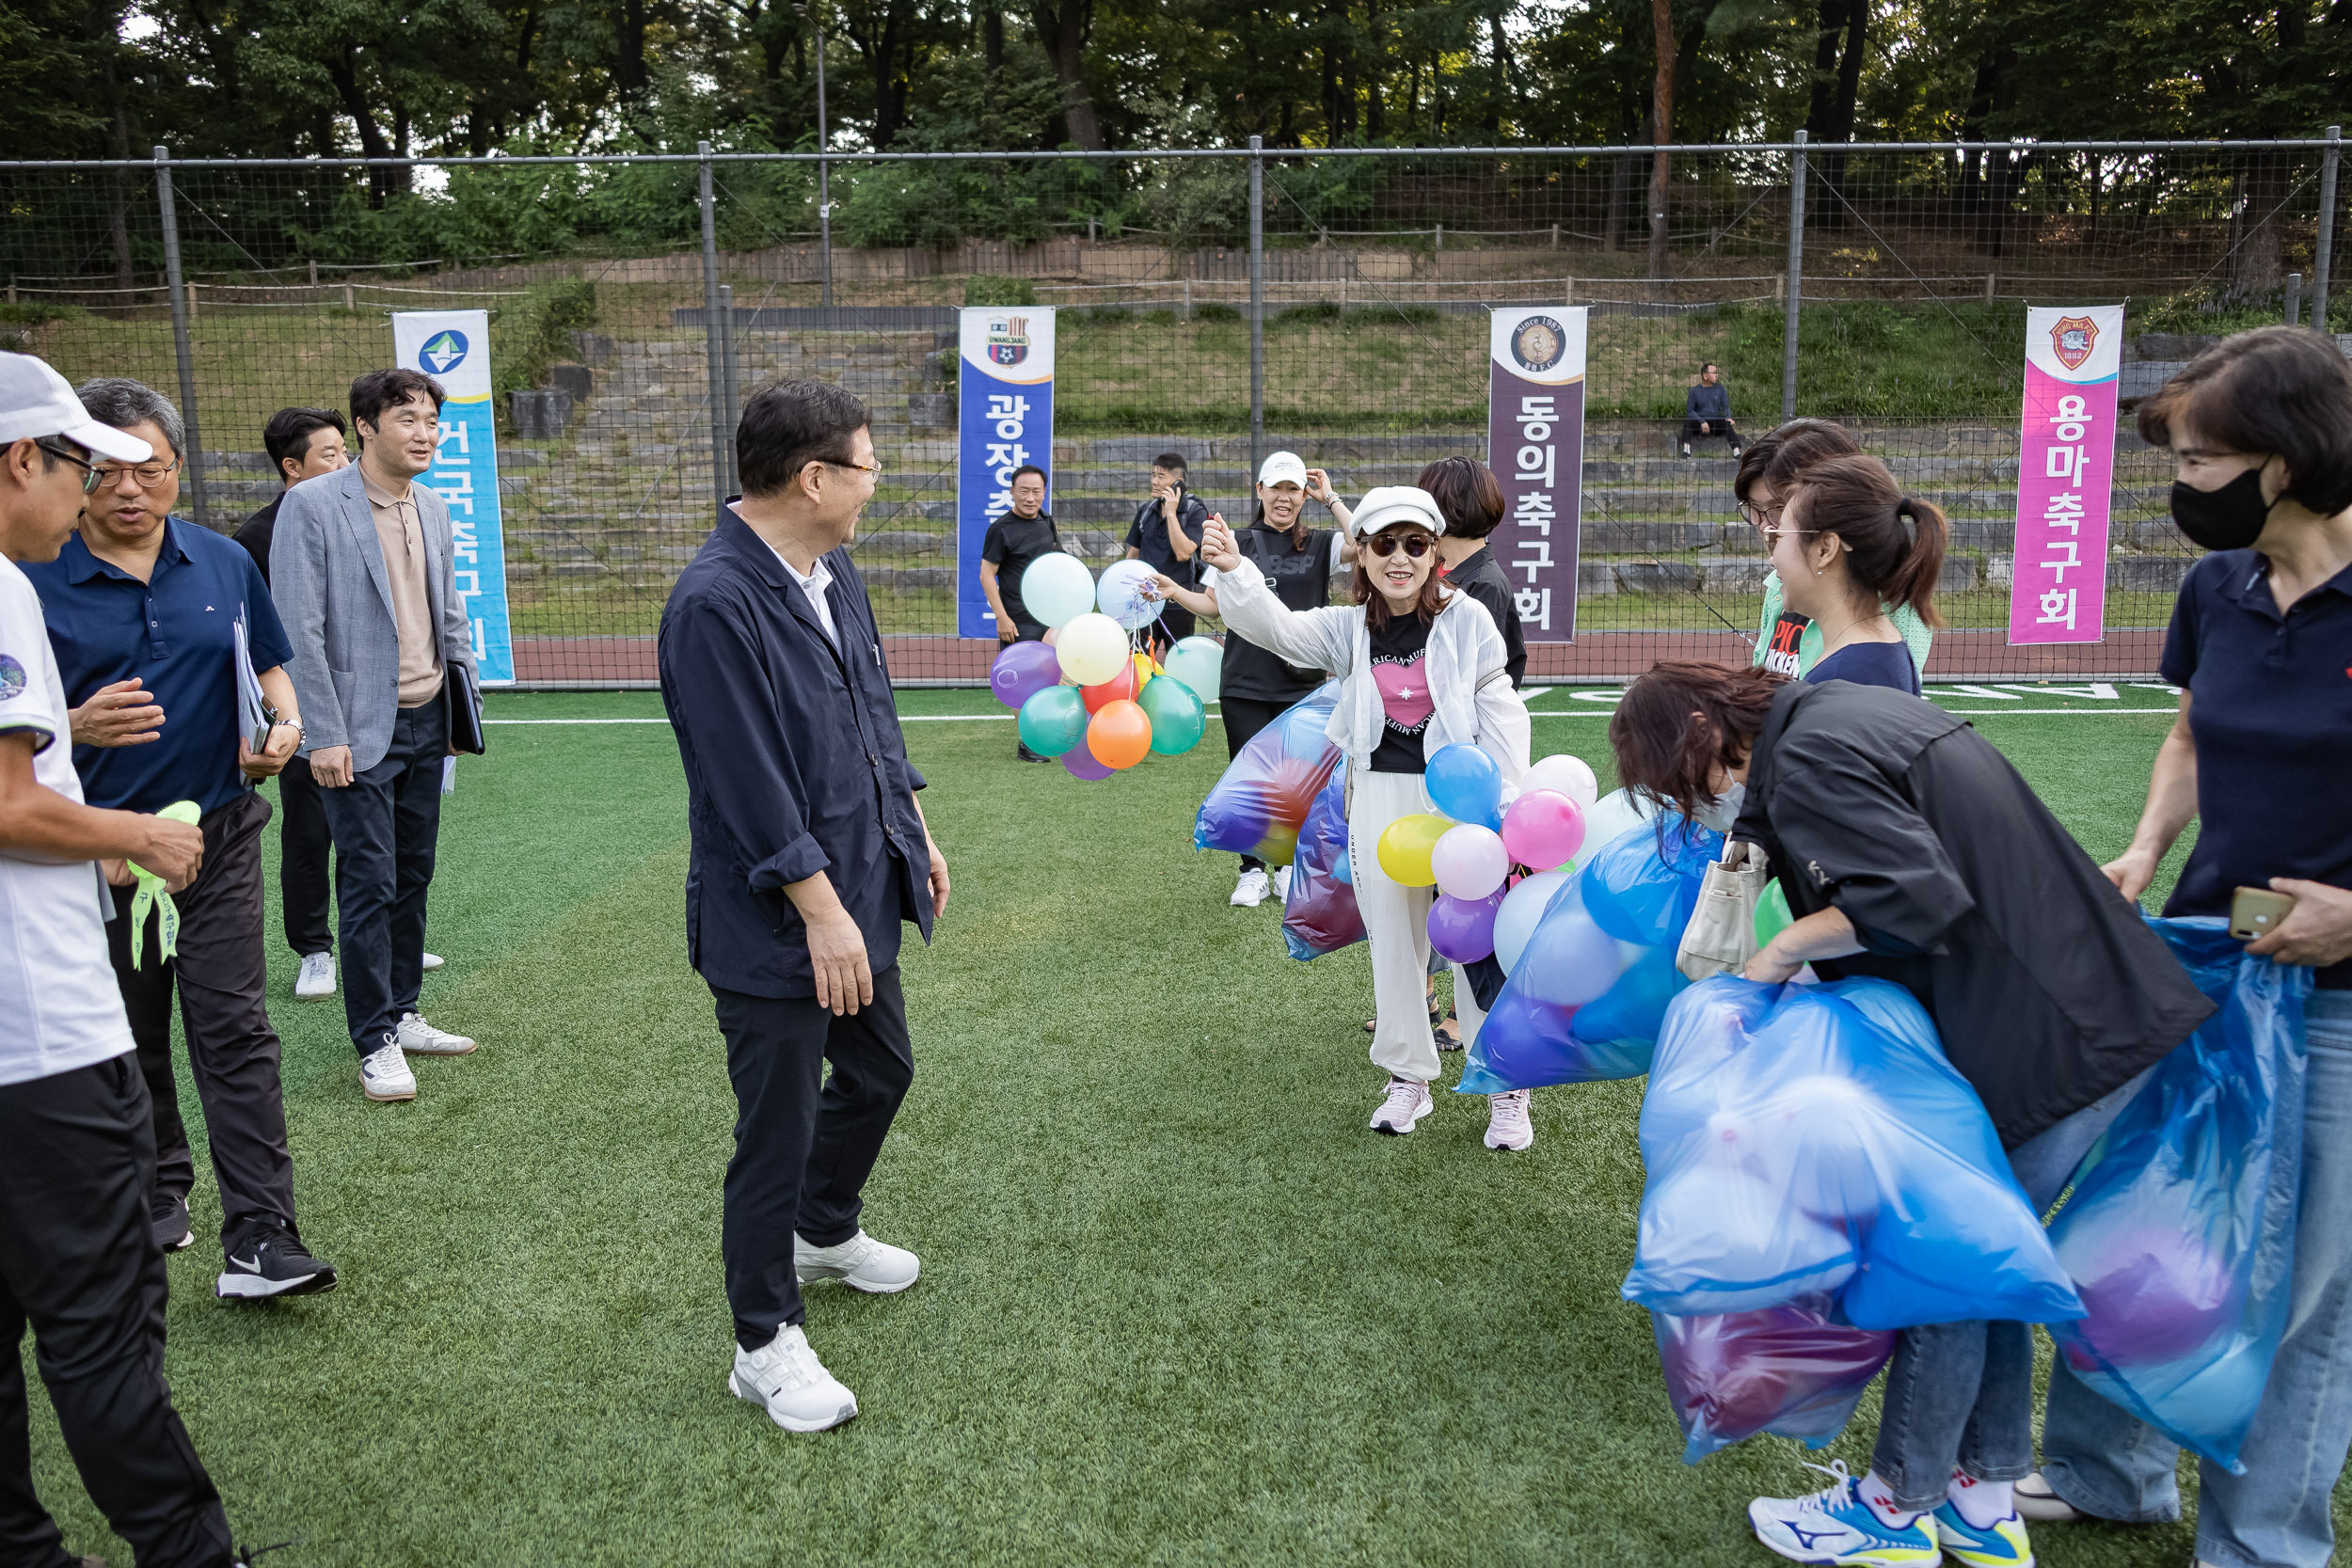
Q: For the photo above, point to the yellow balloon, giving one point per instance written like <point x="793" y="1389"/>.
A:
<point x="1091" y="648"/>
<point x="1405" y="846"/>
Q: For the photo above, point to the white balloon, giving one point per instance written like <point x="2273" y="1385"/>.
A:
<point x="1470" y="861"/>
<point x="1119" y="596"/>
<point x="1611" y="816"/>
<point x="1091" y="649"/>
<point x="1057" y="588"/>
<point x="1571" y="776"/>
<point x="1522" y="907"/>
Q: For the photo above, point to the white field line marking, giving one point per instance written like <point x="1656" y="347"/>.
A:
<point x="1582" y="713"/>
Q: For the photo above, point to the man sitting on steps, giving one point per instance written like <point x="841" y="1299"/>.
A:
<point x="1706" y="410"/>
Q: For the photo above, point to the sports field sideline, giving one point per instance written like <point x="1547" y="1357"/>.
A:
<point x="1178" y="1304"/>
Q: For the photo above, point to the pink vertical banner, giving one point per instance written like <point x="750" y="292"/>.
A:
<point x="2065" y="468"/>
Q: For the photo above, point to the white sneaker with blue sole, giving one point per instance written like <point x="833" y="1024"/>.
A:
<point x="1836" y="1528"/>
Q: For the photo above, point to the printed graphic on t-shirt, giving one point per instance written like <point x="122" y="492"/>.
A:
<point x="1403" y="691"/>
<point x="12" y="679"/>
<point x="1780" y="655"/>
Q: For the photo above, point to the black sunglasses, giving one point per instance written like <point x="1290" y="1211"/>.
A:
<point x="1386" y="545"/>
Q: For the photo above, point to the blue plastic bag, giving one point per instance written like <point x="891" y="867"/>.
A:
<point x="1589" y="992"/>
<point x="1790" y="1371"/>
<point x="1320" y="915"/>
<point x="1261" y="802"/>
<point x="1812" y="1140"/>
<point x="2181" y="1228"/>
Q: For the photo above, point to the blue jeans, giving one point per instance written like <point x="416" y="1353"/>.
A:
<point x="1961" y="1395"/>
<point x="2276" y="1516"/>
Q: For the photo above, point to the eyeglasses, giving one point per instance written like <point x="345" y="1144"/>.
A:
<point x="874" y="468"/>
<point x="149" y="475"/>
<point x="1386" y="545"/>
<point x="91" y="474"/>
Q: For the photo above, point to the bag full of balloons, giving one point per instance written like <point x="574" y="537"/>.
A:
<point x="1260" y="804"/>
<point x="1811" y="1140"/>
<point x="1793" y="1371"/>
<point x="1591" y="966"/>
<point x="2180" y="1232"/>
<point x="1320" y="916"/>
<point x="1089" y="697"/>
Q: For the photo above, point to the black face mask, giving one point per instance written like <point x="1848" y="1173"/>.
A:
<point x="2229" y="518"/>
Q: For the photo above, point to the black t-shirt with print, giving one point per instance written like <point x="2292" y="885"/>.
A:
<point x="1012" y="543"/>
<point x="1401" y="671"/>
<point x="1302" y="581"/>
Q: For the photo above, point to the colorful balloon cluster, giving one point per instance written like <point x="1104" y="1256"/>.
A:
<point x="1089" y="697"/>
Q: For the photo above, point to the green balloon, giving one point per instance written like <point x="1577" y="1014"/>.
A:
<point x="1177" y="714"/>
<point x="1772" y="914"/>
<point x="1053" y="720"/>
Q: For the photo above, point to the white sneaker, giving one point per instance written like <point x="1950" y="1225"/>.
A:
<point x="432" y="962"/>
<point x="1401" y="1107"/>
<point x="384" y="1074"/>
<point x="416" y="1035"/>
<point x="861" y="1263"/>
<point x="2037" y="1503"/>
<point x="1507" y="1125"/>
<point x="316" y="982"/>
<point x="1251" y="890"/>
<point x="1282" y="885"/>
<point x="786" y="1377"/>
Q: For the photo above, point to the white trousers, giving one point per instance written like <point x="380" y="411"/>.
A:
<point x="1396" y="926"/>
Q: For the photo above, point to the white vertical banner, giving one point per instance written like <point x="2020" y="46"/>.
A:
<point x="453" y="348"/>
<point x="1536" y="445"/>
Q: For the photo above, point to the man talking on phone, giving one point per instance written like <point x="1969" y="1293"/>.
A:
<point x="1167" y="535"/>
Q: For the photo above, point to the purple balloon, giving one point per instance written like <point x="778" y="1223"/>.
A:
<point x="1081" y="764"/>
<point x="1463" y="929"/>
<point x="1022" y="670"/>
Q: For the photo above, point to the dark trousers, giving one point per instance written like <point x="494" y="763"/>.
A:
<point x="78" y="1264"/>
<point x="1243" y="718"/>
<point x="1691" y="432"/>
<point x="386" y="823"/>
<point x="802" y="1155"/>
<point x="218" y="976"/>
<point x="304" y="848"/>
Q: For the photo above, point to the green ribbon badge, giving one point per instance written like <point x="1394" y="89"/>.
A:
<point x="152" y="894"/>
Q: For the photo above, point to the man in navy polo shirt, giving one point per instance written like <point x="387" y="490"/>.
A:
<point x="142" y="611"/>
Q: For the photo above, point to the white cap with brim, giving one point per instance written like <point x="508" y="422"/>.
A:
<point x="36" y="400"/>
<point x="1388" y="505"/>
<point x="1282" y="466"/>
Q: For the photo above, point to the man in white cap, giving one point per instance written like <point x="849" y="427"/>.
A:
<point x="78" y="1261"/>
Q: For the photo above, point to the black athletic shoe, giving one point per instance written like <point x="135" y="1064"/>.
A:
<point x="172" y="1231"/>
<point x="1028" y="756"/>
<point x="273" y="1263"/>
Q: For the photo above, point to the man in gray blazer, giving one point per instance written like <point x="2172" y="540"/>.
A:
<point x="362" y="570"/>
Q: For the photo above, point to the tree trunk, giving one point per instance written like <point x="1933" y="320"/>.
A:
<point x="992" y="39"/>
<point x="1662" y="130"/>
<point x="343" y="70"/>
<point x="118" y="218"/>
<point x="1503" y="80"/>
<point x="628" y="49"/>
<point x="1849" y="89"/>
<point x="1062" y="26"/>
<point x="2258" y="266"/>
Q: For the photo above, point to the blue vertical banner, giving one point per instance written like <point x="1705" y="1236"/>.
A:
<point x="453" y="348"/>
<point x="1005" y="420"/>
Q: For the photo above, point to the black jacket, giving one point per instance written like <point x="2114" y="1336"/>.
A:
<point x="256" y="532"/>
<point x="2048" y="988"/>
<point x="794" y="765"/>
<point x="1483" y="578"/>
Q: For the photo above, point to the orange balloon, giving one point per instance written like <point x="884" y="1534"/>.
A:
<point x="1119" y="734"/>
<point x="1119" y="688"/>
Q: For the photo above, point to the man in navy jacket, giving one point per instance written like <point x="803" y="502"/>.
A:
<point x="1706" y="410"/>
<point x="809" y="851"/>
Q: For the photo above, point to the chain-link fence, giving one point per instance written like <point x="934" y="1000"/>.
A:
<point x="1223" y="303"/>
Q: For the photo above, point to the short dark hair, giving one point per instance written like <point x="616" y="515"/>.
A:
<point x="1467" y="494"/>
<point x="786" y="425"/>
<point x="1706" y="365"/>
<point x="1779" y="457"/>
<point x="2279" y="390"/>
<point x="377" y="390"/>
<point x="1026" y="469"/>
<point x="1172" y="461"/>
<point x="289" y="431"/>
<point x="120" y="402"/>
<point x="1676" y="725"/>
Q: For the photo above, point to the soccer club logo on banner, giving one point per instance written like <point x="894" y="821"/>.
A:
<point x="1538" y="343"/>
<point x="1007" y="339"/>
<point x="2070" y="339"/>
<point x="443" y="353"/>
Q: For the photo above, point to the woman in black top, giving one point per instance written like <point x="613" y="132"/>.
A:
<point x="1848" y="545"/>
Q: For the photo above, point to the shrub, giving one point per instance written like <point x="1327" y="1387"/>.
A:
<point x="984" y="288"/>
<point x="538" y="333"/>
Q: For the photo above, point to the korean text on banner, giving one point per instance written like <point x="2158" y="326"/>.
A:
<point x="2065" y="465"/>
<point x="1535" y="440"/>
<point x="1004" y="420"/>
<point x="453" y="348"/>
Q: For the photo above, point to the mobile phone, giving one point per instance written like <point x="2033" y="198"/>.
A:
<point x="2255" y="912"/>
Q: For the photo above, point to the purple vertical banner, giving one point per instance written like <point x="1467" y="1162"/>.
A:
<point x="1005" y="420"/>
<point x="1536" y="445"/>
<point x="2065" y="471"/>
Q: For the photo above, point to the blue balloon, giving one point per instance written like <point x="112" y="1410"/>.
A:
<point x="1465" y="783"/>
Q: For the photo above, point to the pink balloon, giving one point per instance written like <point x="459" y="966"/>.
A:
<point x="1542" y="829"/>
<point x="1081" y="764"/>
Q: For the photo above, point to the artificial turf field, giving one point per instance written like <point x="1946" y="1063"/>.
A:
<point x="1178" y="1304"/>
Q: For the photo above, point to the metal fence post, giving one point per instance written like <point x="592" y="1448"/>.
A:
<point x="714" y="334"/>
<point x="2327" y="230"/>
<point x="192" y="460"/>
<point x="1794" y="306"/>
<point x="727" y="385"/>
<point x="1257" y="307"/>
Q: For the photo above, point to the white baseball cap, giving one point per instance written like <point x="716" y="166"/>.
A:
<point x="1387" y="506"/>
<point x="1283" y="466"/>
<point x="36" y="400"/>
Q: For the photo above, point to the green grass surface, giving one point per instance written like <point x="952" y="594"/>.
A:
<point x="1178" y="1305"/>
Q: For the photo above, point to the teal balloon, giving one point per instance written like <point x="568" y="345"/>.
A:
<point x="1197" y="662"/>
<point x="1053" y="720"/>
<point x="1178" y="715"/>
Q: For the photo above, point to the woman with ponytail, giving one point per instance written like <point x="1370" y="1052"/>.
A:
<point x="1853" y="551"/>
